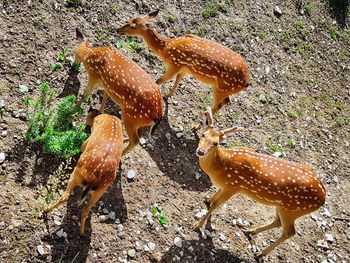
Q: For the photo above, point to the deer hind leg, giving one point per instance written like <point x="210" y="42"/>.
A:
<point x="132" y="131"/>
<point x="214" y="197"/>
<point x="221" y="97"/>
<point x="177" y="81"/>
<point x="73" y="181"/>
<point x="104" y="100"/>
<point x="90" y="87"/>
<point x="95" y="196"/>
<point x="275" y="223"/>
<point x="287" y="221"/>
<point x="221" y="198"/>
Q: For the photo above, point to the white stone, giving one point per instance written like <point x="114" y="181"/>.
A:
<point x="111" y="215"/>
<point x="197" y="175"/>
<point x="60" y="232"/>
<point x="222" y="237"/>
<point x="131" y="174"/>
<point x="179" y="135"/>
<point x="142" y="141"/>
<point x="278" y="10"/>
<point x="131" y="253"/>
<point x="2" y="157"/>
<point x="151" y="246"/>
<point x="40" y="249"/>
<point x="102" y="218"/>
<point x="277" y="154"/>
<point x="326" y="212"/>
<point x="168" y="135"/>
<point x="201" y="213"/>
<point x="314" y="217"/>
<point x="175" y="102"/>
<point x="178" y="241"/>
<point x="329" y="237"/>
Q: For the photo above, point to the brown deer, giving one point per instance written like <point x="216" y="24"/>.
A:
<point x="97" y="166"/>
<point x="125" y="82"/>
<point x="293" y="188"/>
<point x="206" y="60"/>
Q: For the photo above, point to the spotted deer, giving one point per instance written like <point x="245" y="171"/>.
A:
<point x="206" y="60"/>
<point x="97" y="166"/>
<point x="293" y="188"/>
<point x="125" y="82"/>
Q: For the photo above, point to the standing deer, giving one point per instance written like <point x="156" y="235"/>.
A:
<point x="97" y="166"/>
<point x="206" y="60"/>
<point x="293" y="188"/>
<point x="125" y="82"/>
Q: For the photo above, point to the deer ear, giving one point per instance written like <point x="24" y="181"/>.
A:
<point x="153" y="14"/>
<point x="230" y="131"/>
<point x="79" y="35"/>
<point x="203" y="120"/>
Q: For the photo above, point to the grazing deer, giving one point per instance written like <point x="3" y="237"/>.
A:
<point x="125" y="82"/>
<point x="97" y="166"/>
<point x="206" y="60"/>
<point x="293" y="188"/>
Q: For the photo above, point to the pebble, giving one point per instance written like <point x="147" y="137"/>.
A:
<point x="151" y="246"/>
<point x="277" y="154"/>
<point x="197" y="175"/>
<point x="167" y="135"/>
<point x="111" y="215"/>
<point x="175" y="102"/>
<point x="131" y="174"/>
<point x="131" y="253"/>
<point x="138" y="246"/>
<point x="40" y="249"/>
<point x="61" y="233"/>
<point x="262" y="98"/>
<point x="142" y="141"/>
<point x="277" y="10"/>
<point x="179" y="135"/>
<point x="2" y="157"/>
<point x="4" y="133"/>
<point x="102" y="218"/>
<point x="190" y="249"/>
<point x="222" y="237"/>
<point x="150" y="146"/>
<point x="201" y="213"/>
<point x="326" y="212"/>
<point x="178" y="241"/>
<point x="329" y="237"/>
<point x="2" y="104"/>
<point x="314" y="217"/>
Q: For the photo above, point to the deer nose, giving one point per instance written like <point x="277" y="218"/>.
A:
<point x="119" y="31"/>
<point x="200" y="152"/>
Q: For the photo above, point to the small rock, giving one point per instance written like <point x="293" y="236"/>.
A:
<point x="197" y="175"/>
<point x="120" y="227"/>
<point x="142" y="141"/>
<point x="4" y="133"/>
<point x="131" y="174"/>
<point x="326" y="212"/>
<point x="145" y="248"/>
<point x="314" y="217"/>
<point x="16" y="223"/>
<point x="111" y="215"/>
<point x="267" y="69"/>
<point x="150" y="146"/>
<point x="131" y="253"/>
<point x="178" y="241"/>
<point x="277" y="154"/>
<point x="167" y="135"/>
<point x="60" y="232"/>
<point x="102" y="218"/>
<point x="322" y="244"/>
<point x="277" y="11"/>
<point x="41" y="250"/>
<point x="262" y="98"/>
<point x="222" y="237"/>
<point x="2" y="104"/>
<point x="329" y="237"/>
<point x="138" y="246"/>
<point x="190" y="249"/>
<point x="179" y="135"/>
<point x="105" y="211"/>
<point x="201" y="213"/>
<point x="293" y="94"/>
<point x="151" y="246"/>
<point x="175" y="102"/>
<point x="2" y="157"/>
<point x="57" y="223"/>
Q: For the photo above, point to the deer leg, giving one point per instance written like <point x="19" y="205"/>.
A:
<point x="95" y="195"/>
<point x="287" y="222"/>
<point x="83" y="146"/>
<point x="104" y="100"/>
<point x="275" y="223"/>
<point x="214" y="197"/>
<point x="177" y="81"/>
<point x="90" y="87"/>
<point x="73" y="181"/>
<point x="169" y="73"/>
<point x="132" y="131"/>
<point x="222" y="198"/>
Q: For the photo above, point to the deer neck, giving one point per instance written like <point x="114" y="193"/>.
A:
<point x="154" y="40"/>
<point x="212" y="161"/>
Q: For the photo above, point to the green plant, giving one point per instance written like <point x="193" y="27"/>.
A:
<point x="262" y="35"/>
<point x="130" y="44"/>
<point x="292" y="113"/>
<point x="213" y="9"/>
<point x="171" y="19"/>
<point x="309" y="7"/>
<point x="290" y="143"/>
<point x="113" y="10"/>
<point x="64" y="59"/>
<point x="53" y="127"/>
<point x="334" y="33"/>
<point x="1" y="112"/>
<point x="160" y="214"/>
<point x="200" y="31"/>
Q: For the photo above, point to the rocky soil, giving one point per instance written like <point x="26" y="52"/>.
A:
<point x="297" y="107"/>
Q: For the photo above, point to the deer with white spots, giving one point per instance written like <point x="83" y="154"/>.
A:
<point x="97" y="166"/>
<point x="206" y="60"/>
<point x="126" y="83"/>
<point x="293" y="188"/>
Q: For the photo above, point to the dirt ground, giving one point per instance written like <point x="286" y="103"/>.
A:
<point x="297" y="104"/>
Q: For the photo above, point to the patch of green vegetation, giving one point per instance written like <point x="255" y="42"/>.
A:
<point x="292" y="113"/>
<point x="63" y="59"/>
<point x="308" y="7"/>
<point x="301" y="46"/>
<point x="275" y="147"/>
<point x="171" y="19"/>
<point x="213" y="9"/>
<point x="200" y="31"/>
<point x="333" y="33"/>
<point x="1" y="112"/>
<point x="113" y="10"/>
<point x="262" y="35"/>
<point x="53" y="127"/>
<point x="130" y="44"/>
<point x="160" y="214"/>
<point x="286" y="34"/>
<point x="237" y="27"/>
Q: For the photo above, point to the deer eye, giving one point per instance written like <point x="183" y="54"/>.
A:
<point x="215" y="144"/>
